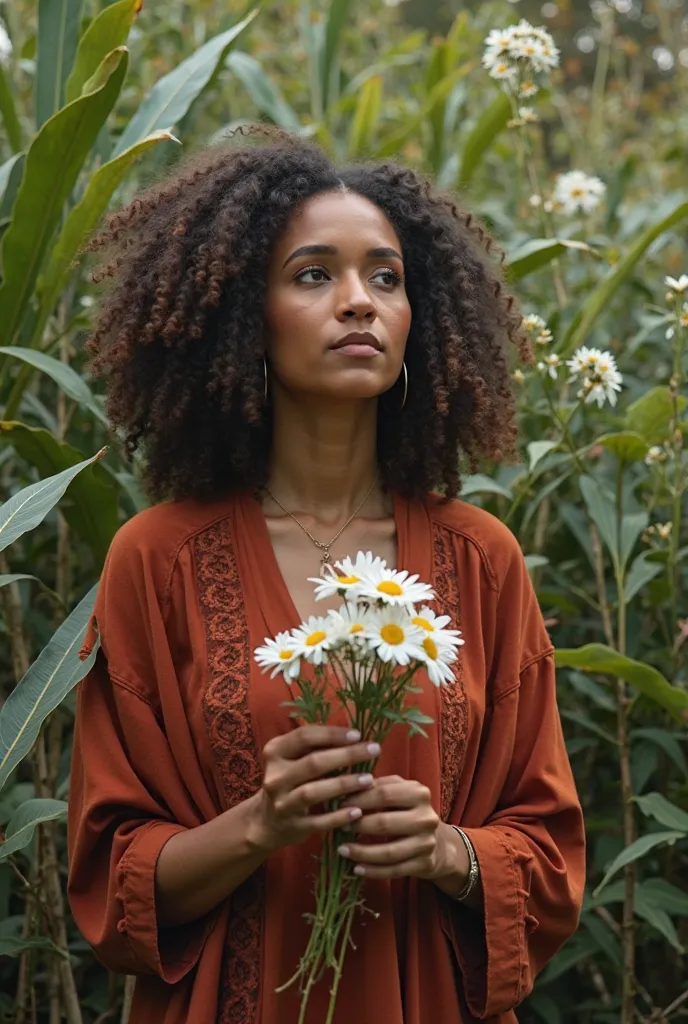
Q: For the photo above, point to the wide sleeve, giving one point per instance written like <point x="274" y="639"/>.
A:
<point x="118" y="823"/>
<point x="531" y="848"/>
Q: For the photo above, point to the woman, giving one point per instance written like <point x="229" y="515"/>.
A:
<point x="303" y="354"/>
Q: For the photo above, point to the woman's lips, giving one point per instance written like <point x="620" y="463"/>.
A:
<point x="357" y="349"/>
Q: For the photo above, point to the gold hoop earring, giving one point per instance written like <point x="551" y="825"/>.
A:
<point x="265" y="387"/>
<point x="403" y="401"/>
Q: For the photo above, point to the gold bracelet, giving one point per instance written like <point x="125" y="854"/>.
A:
<point x="474" y="867"/>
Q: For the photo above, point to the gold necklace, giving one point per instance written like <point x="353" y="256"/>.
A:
<point x="325" y="548"/>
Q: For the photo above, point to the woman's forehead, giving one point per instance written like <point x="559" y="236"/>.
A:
<point x="336" y="218"/>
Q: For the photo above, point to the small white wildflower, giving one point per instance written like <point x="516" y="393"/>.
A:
<point x="527" y="115"/>
<point x="678" y="285"/>
<point x="502" y="70"/>
<point x="599" y="378"/>
<point x="656" y="454"/>
<point x="576" y="190"/>
<point x="533" y="322"/>
<point x="664" y="530"/>
<point x="313" y="638"/>
<point x="350" y="622"/>
<point x="548" y="206"/>
<point x="5" y="46"/>
<point x="518" y="376"/>
<point x="527" y="89"/>
<point x="280" y="655"/>
<point x="550" y="365"/>
<point x="535" y="201"/>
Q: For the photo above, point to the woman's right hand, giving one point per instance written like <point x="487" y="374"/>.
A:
<point x="298" y="782"/>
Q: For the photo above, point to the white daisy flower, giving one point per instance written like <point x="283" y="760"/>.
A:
<point x="499" y="39"/>
<point x="677" y="284"/>
<point x="394" y="637"/>
<point x="527" y="115"/>
<point x="394" y="587"/>
<point x="437" y="661"/>
<point x="656" y="454"/>
<point x="576" y="190"/>
<point x="344" y="577"/>
<point x="535" y="201"/>
<point x="502" y="70"/>
<point x="350" y="622"/>
<point x="527" y="89"/>
<point x="313" y="638"/>
<point x="5" y="45"/>
<point x="550" y="365"/>
<point x="434" y="626"/>
<point x="280" y="655"/>
<point x="599" y="378"/>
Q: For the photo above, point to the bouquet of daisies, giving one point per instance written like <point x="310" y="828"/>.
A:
<point x="365" y="658"/>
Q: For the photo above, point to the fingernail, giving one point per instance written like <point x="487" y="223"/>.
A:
<point x="359" y="870"/>
<point x="373" y="749"/>
<point x="355" y="812"/>
<point x="365" y="780"/>
<point x="343" y="851"/>
<point x="353" y="736"/>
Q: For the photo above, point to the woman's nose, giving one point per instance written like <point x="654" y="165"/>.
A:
<point x="355" y="302"/>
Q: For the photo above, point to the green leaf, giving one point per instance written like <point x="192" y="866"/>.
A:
<point x="12" y="577"/>
<point x="537" y="451"/>
<point x="605" y="938"/>
<point x="645" y="678"/>
<point x="625" y="445"/>
<point x="22" y="825"/>
<point x="92" y="511"/>
<point x="601" y="297"/>
<point x="173" y="94"/>
<point x="579" y="948"/>
<point x="389" y="146"/>
<point x="26" y="509"/>
<point x="53" y="163"/>
<point x="81" y="221"/>
<point x="9" y="112"/>
<point x="641" y="572"/>
<point x="63" y="375"/>
<point x="656" y="806"/>
<point x="587" y="723"/>
<point x="106" y="31"/>
<point x="637" y="850"/>
<point x="10" y="178"/>
<point x="667" y="896"/>
<point x="632" y="525"/>
<point x="366" y="116"/>
<point x="491" y="122"/>
<point x="263" y="90"/>
<point x="478" y="483"/>
<point x="535" y="562"/>
<point x="537" y="253"/>
<point x="337" y="17"/>
<point x="667" y="741"/>
<point x="58" y="35"/>
<point x="601" y="506"/>
<point x="651" y="414"/>
<point x="47" y="682"/>
<point x="657" y="917"/>
<point x="12" y="941"/>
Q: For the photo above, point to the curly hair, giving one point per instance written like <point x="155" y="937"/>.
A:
<point x="180" y="334"/>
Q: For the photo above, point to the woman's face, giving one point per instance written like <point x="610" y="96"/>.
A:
<point x="336" y="310"/>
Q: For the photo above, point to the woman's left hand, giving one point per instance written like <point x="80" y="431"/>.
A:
<point x="417" y="842"/>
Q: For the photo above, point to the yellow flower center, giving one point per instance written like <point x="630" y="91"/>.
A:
<point x="356" y="628"/>
<point x="390" y="588"/>
<point x="423" y="623"/>
<point x="286" y="655"/>
<point x="392" y="634"/>
<point x="348" y="579"/>
<point x="577" y="193"/>
<point x="430" y="648"/>
<point x="315" y="638"/>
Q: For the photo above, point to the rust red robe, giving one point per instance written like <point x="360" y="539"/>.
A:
<point x="170" y="726"/>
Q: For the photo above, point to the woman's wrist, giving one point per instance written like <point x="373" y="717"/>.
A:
<point x="454" y="868"/>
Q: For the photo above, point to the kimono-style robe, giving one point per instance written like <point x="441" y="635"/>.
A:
<point x="171" y="723"/>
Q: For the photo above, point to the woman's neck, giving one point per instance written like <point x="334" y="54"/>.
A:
<point x="324" y="457"/>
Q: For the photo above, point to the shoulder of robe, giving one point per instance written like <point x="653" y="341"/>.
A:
<point x="498" y="547"/>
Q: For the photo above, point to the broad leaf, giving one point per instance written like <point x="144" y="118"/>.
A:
<point x="632" y="525"/>
<point x="92" y="511"/>
<point x="640" y="574"/>
<point x="53" y="163"/>
<point x="537" y="451"/>
<point x="337" y="17"/>
<point x="651" y="414"/>
<point x="645" y="678"/>
<point x="173" y="94"/>
<point x="601" y="297"/>
<point x="656" y="806"/>
<point x="667" y="741"/>
<point x="366" y="116"/>
<point x="55" y="671"/>
<point x="12" y="941"/>
<point x="478" y="483"/>
<point x="490" y="123"/>
<point x="667" y="896"/>
<point x="8" y="111"/>
<point x="637" y="850"/>
<point x="106" y="31"/>
<point x="264" y="92"/>
<point x="26" y="509"/>
<point x="646" y="909"/>
<point x="537" y="253"/>
<point x="601" y="506"/>
<point x="63" y="375"/>
<point x="58" y="35"/>
<point x="13" y="577"/>
<point x="625" y="445"/>
<point x="10" y="177"/>
<point x="22" y="824"/>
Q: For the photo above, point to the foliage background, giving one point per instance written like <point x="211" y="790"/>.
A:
<point x="405" y="81"/>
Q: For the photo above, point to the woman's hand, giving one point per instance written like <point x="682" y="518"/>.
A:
<point x="297" y="782"/>
<point x="417" y="843"/>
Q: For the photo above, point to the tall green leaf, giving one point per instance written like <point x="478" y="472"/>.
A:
<point x="173" y="94"/>
<point x="63" y="375"/>
<point x="92" y="511"/>
<point x="640" y="573"/>
<point x="337" y="16"/>
<point x="490" y="123"/>
<point x="58" y="36"/>
<point x="600" y="298"/>
<point x="22" y="825"/>
<point x="601" y="505"/>
<point x="10" y="176"/>
<point x="81" y="221"/>
<point x="646" y="909"/>
<point x="263" y="90"/>
<point x="390" y="144"/>
<point x="56" y="670"/>
<point x="656" y="806"/>
<point x="366" y="116"/>
<point x="637" y="850"/>
<point x="537" y="253"/>
<point x="53" y="163"/>
<point x="9" y="111"/>
<point x="108" y="30"/>
<point x="645" y="678"/>
<point x="28" y="508"/>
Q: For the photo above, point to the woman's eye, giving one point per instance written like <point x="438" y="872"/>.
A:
<point x="312" y="275"/>
<point x="391" y="277"/>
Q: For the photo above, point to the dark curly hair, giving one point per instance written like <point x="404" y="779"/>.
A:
<point x="180" y="335"/>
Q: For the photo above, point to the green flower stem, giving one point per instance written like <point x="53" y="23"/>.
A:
<point x="679" y="484"/>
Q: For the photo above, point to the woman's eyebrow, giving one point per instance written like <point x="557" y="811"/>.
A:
<point x="331" y="250"/>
